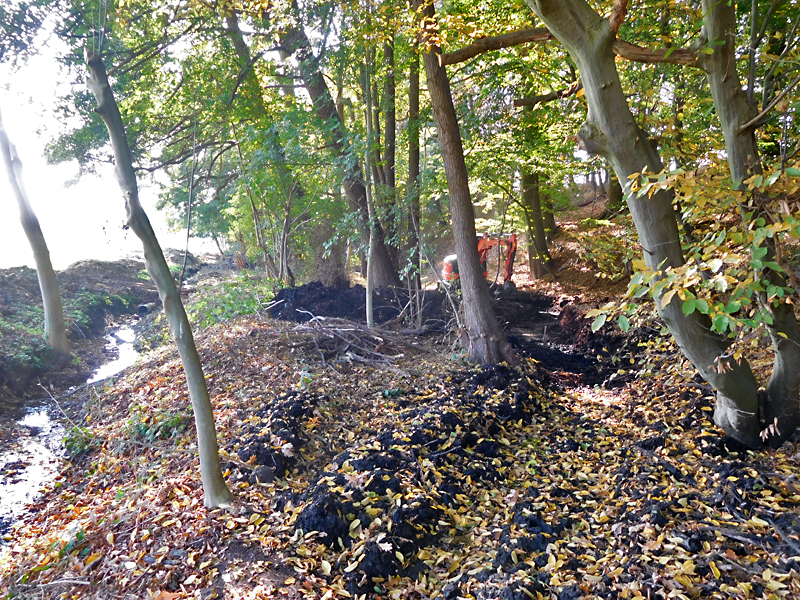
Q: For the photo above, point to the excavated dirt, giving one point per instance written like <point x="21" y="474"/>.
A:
<point x="554" y="332"/>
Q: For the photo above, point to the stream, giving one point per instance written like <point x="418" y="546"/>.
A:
<point x="32" y="437"/>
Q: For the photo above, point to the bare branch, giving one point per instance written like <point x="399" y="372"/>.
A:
<point x="495" y="42"/>
<point x="540" y="99"/>
<point x="756" y="121"/>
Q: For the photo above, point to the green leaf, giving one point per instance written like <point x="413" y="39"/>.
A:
<point x="689" y="306"/>
<point x="793" y="172"/>
<point x="702" y="306"/>
<point x="598" y="322"/>
<point x="624" y="324"/>
<point x="721" y="322"/>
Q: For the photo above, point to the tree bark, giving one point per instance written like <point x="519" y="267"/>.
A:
<point x="538" y="255"/>
<point x="294" y="41"/>
<point x="412" y="186"/>
<point x="610" y="130"/>
<point x="55" y="329"/>
<point x="215" y="490"/>
<point x="482" y="337"/>
<point x="782" y="402"/>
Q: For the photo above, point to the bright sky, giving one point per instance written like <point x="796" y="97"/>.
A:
<point x="79" y="222"/>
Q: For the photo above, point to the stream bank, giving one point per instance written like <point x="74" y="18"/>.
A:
<point x="32" y="446"/>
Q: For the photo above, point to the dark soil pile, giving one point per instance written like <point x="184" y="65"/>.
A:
<point x="554" y="333"/>
<point x="303" y="303"/>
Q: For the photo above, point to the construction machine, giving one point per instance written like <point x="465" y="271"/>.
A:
<point x="508" y="251"/>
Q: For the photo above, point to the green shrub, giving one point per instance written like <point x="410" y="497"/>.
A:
<point x="229" y="299"/>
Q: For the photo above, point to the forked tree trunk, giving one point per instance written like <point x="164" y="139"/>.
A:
<point x="215" y="490"/>
<point x="610" y="130"/>
<point x="55" y="330"/>
<point x="782" y="402"/>
<point x="482" y="337"/>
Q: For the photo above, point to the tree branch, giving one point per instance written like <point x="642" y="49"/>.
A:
<point x="755" y="121"/>
<point x="574" y="88"/>
<point x="626" y="50"/>
<point x="618" y="14"/>
<point x="495" y="42"/>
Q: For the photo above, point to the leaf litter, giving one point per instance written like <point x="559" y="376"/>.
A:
<point x="417" y="477"/>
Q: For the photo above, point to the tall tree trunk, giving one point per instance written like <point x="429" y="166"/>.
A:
<point x="610" y="130"/>
<point x="370" y="314"/>
<point x="215" y="490"/>
<point x="294" y="41"/>
<point x="251" y="90"/>
<point x="782" y="402"/>
<point x="481" y="335"/>
<point x="55" y="329"/>
<point x="389" y="150"/>
<point x="539" y="259"/>
<point x="412" y="186"/>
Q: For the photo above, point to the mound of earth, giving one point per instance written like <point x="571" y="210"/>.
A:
<point x="313" y="299"/>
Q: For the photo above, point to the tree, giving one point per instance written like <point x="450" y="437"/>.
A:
<point x="611" y="130"/>
<point x="295" y="42"/>
<point x="55" y="329"/>
<point x="737" y="112"/>
<point x="482" y="337"/>
<point x="215" y="490"/>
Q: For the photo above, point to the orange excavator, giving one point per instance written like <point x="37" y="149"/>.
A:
<point x="508" y="250"/>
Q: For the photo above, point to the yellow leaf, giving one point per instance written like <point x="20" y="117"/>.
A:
<point x="714" y="569"/>
<point x="580" y="93"/>
<point x="665" y="299"/>
<point x="90" y="559"/>
<point x="758" y="522"/>
<point x="326" y="567"/>
<point x="351" y="567"/>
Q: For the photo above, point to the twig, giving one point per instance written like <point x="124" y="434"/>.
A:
<point x="783" y="536"/>
<point x="755" y="120"/>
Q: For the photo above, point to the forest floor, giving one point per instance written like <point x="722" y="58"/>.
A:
<point x="378" y="464"/>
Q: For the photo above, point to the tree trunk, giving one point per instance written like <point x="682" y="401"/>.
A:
<point x="782" y="402"/>
<point x="549" y="217"/>
<point x="610" y="130"/>
<point x="389" y="151"/>
<point x="370" y="314"/>
<point x="251" y="89"/>
<point x="55" y="329"/>
<point x="616" y="199"/>
<point x="412" y="186"/>
<point x="294" y="41"/>
<point x="215" y="490"/>
<point x="539" y="259"/>
<point x="481" y="335"/>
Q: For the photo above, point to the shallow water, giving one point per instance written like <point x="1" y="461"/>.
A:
<point x="32" y="438"/>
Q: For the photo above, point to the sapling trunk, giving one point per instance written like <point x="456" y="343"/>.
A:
<point x="55" y="329"/>
<point x="215" y="490"/>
